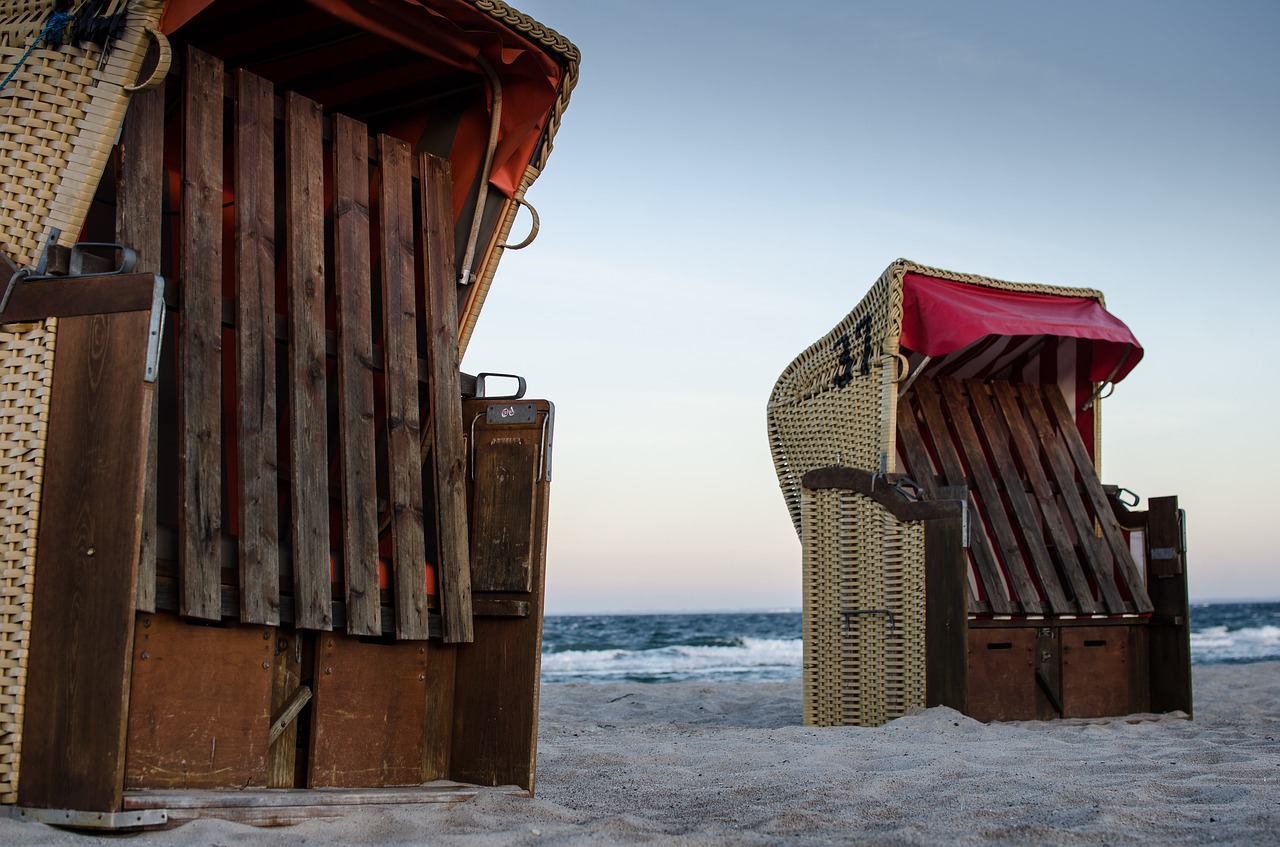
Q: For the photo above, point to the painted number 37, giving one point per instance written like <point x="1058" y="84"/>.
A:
<point x="845" y="353"/>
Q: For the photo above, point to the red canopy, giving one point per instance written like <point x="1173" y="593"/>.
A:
<point x="941" y="317"/>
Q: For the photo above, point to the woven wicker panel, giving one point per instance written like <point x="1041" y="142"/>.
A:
<point x="59" y="116"/>
<point x="26" y="369"/>
<point x="864" y="611"/>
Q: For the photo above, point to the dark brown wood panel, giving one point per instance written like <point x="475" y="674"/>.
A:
<point x="919" y="465"/>
<point x="356" y="365"/>
<point x="1097" y="498"/>
<point x="1026" y="521"/>
<point x="368" y="714"/>
<point x="986" y="567"/>
<point x="200" y="707"/>
<point x="1095" y="671"/>
<point x="404" y="436"/>
<point x="946" y="627"/>
<point x="504" y="517"/>
<point x="86" y="566"/>
<point x="496" y="704"/>
<point x="1051" y="513"/>
<point x="139" y="194"/>
<point x="308" y="429"/>
<point x="200" y="338"/>
<point x="437" y="736"/>
<point x="1002" y="674"/>
<point x="1170" y="629"/>
<point x="258" y="520"/>
<point x="448" y="450"/>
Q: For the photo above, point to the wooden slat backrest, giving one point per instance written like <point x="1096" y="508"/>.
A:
<point x="404" y="439"/>
<point x="1017" y="447"/>
<point x="308" y="433"/>
<point x="200" y="342"/>
<point x="448" y="454"/>
<point x="356" y="422"/>
<point x="255" y="192"/>
<point x="360" y="373"/>
<point x="139" y="194"/>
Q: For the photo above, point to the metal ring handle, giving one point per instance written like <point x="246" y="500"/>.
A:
<point x="533" y="230"/>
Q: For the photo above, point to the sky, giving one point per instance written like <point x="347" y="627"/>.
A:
<point x="731" y="178"/>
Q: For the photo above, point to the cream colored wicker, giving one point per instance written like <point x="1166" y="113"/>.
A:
<point x="836" y="405"/>
<point x="59" y="117"/>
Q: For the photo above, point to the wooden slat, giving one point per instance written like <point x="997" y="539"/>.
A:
<point x="81" y="643"/>
<point x="138" y="206"/>
<point x="946" y="630"/>
<point x="404" y="438"/>
<point x="1096" y="555"/>
<point x="437" y="736"/>
<point x="1015" y="565"/>
<point x="988" y="569"/>
<point x="256" y="349"/>
<point x="200" y="339"/>
<point x="286" y="685"/>
<point x="1051" y="513"/>
<point x="1097" y="498"/>
<point x="996" y="435"/>
<point x="308" y="432"/>
<point x="448" y="451"/>
<point x="912" y="442"/>
<point x="356" y="365"/>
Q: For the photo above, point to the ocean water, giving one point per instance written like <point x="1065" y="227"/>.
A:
<point x="766" y="646"/>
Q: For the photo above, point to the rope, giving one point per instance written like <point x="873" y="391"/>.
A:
<point x="52" y="30"/>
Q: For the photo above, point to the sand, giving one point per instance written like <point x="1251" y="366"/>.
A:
<point x="698" y="764"/>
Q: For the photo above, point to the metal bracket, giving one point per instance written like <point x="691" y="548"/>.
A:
<point x="505" y="414"/>
<point x="93" y="820"/>
<point x="155" y="332"/>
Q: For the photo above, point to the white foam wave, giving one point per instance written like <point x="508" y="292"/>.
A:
<point x="756" y="658"/>
<point x="1218" y="643"/>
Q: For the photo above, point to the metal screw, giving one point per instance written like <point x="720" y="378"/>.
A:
<point x="146" y="621"/>
<point x="266" y="665"/>
<point x="145" y="655"/>
<point x="328" y="671"/>
<point x="421" y="677"/>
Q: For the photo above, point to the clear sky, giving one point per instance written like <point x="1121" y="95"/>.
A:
<point x="731" y="178"/>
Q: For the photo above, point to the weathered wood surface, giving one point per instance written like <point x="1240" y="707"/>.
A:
<point x="200" y="709"/>
<point x="1096" y="556"/>
<point x="946" y="631"/>
<point x="496" y="702"/>
<point x="255" y="388"/>
<point x="287" y="700"/>
<point x="437" y="724"/>
<point x="953" y="473"/>
<point x="139" y="196"/>
<point x="200" y="337"/>
<point x="1095" y="672"/>
<point x="368" y="714"/>
<point x="1015" y="566"/>
<point x="356" y="367"/>
<point x="86" y="566"/>
<point x="1127" y="571"/>
<point x="448" y="449"/>
<point x="1050" y="511"/>
<point x="308" y="430"/>
<point x="1027" y="522"/>
<point x="404" y="436"/>
<point x="1170" y="636"/>
<point x="1002" y="680"/>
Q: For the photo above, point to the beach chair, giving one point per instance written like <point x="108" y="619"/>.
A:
<point x="261" y="532"/>
<point x="939" y="453"/>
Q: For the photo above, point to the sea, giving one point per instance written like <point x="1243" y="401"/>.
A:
<point x="767" y="646"/>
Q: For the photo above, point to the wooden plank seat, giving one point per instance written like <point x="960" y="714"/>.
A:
<point x="1044" y="541"/>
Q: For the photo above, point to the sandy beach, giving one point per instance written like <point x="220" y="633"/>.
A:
<point x="697" y="764"/>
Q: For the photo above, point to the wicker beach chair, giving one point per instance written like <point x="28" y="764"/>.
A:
<point x="938" y="452"/>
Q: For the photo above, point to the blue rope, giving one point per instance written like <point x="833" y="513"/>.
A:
<point x="52" y="30"/>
